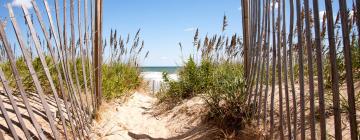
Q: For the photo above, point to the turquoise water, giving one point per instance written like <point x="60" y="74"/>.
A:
<point x="169" y="70"/>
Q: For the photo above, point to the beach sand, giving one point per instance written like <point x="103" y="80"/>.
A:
<point x="138" y="118"/>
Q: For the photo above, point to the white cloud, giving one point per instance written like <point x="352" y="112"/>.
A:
<point x="239" y="8"/>
<point x="18" y="3"/>
<point x="190" y="29"/>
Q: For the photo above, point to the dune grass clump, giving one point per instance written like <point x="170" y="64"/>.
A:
<point x="25" y="74"/>
<point x="215" y="73"/>
<point x="119" y="78"/>
<point x="193" y="80"/>
<point x="227" y="97"/>
<point x="222" y="85"/>
<point x="120" y="72"/>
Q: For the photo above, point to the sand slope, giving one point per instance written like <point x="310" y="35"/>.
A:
<point x="139" y="118"/>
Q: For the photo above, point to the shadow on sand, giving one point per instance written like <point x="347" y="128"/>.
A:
<point x="201" y="132"/>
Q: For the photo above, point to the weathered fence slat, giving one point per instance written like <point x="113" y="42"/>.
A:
<point x="310" y="68"/>
<point x="267" y="39"/>
<point x="279" y="71"/>
<point x="334" y="71"/>
<point x="47" y="72"/>
<point x="319" y="70"/>
<point x="88" y="53"/>
<point x="263" y="48"/>
<point x="46" y="69"/>
<point x="258" y="60"/>
<point x="82" y="55"/>
<point x="301" y="69"/>
<point x="97" y="51"/>
<point x="69" y="75"/>
<point x="91" y="52"/>
<point x="2" y="135"/>
<point x="18" y="78"/>
<point x="58" y="47"/>
<point x="73" y="51"/>
<point x="8" y="120"/>
<point x="245" y="5"/>
<point x="15" y="107"/>
<point x="65" y="66"/>
<point x="73" y="58"/>
<point x="273" y="78"/>
<point x="348" y="68"/>
<point x="291" y="30"/>
<point x="285" y="70"/>
<point x="9" y="91"/>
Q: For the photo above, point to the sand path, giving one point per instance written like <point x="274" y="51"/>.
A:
<point x="135" y="119"/>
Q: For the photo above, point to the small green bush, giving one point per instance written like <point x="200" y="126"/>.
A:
<point x="222" y="85"/>
<point x="119" y="78"/>
<point x="193" y="80"/>
<point x="119" y="75"/>
<point x="227" y="97"/>
<point x="217" y="76"/>
<point x="26" y="77"/>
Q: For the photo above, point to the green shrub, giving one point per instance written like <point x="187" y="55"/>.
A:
<point x="222" y="85"/>
<point x="218" y="78"/>
<point x="193" y="80"/>
<point x="26" y="77"/>
<point x="119" y="75"/>
<point x="119" y="78"/>
<point x="227" y="97"/>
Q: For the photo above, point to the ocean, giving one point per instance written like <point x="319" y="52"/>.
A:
<point x="154" y="76"/>
<point x="168" y="69"/>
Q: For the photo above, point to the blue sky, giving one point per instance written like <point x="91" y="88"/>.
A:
<point x="163" y="23"/>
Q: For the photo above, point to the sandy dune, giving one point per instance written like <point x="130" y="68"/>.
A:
<point x="137" y="118"/>
<point x="39" y="114"/>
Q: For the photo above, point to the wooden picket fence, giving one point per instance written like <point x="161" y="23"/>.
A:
<point x="67" y="111"/>
<point x="294" y="67"/>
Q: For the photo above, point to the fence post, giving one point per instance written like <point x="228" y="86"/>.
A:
<point x="245" y="13"/>
<point x="98" y="51"/>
